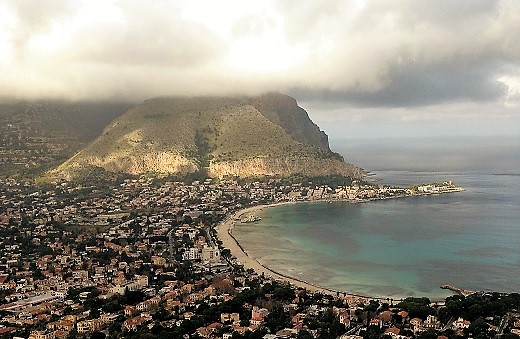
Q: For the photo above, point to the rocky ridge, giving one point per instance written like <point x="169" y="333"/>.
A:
<point x="240" y="136"/>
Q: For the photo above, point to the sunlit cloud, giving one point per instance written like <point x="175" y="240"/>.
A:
<point x="512" y="82"/>
<point x="361" y="54"/>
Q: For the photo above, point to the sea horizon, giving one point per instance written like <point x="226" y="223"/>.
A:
<point x="409" y="246"/>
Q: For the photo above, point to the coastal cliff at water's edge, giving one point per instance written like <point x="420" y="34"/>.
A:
<point x="221" y="136"/>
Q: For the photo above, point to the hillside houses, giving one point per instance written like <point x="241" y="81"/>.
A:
<point x="154" y="261"/>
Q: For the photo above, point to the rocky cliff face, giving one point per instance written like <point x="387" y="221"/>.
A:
<point x="285" y="112"/>
<point x="266" y="135"/>
<point x="282" y="165"/>
<point x="152" y="162"/>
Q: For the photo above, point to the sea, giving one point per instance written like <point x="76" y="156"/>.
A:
<point x="407" y="246"/>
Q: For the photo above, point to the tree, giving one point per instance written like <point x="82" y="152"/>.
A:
<point x="284" y="293"/>
<point x="417" y="307"/>
<point x="478" y="327"/>
<point x="429" y="334"/>
<point x="133" y="297"/>
<point x="114" y="328"/>
<point x="443" y="314"/>
<point x="73" y="334"/>
<point x="303" y="334"/>
<point x="226" y="253"/>
<point x="373" y="332"/>
<point x="97" y="335"/>
<point x="372" y="306"/>
<point x="277" y="319"/>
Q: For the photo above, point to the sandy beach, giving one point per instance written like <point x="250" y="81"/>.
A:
<point x="225" y="234"/>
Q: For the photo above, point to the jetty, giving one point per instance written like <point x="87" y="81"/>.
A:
<point x="457" y="290"/>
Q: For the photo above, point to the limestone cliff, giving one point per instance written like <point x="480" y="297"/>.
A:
<point x="265" y="135"/>
<point x="269" y="166"/>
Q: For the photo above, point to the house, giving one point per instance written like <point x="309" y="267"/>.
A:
<point x="258" y="315"/>
<point x="416" y="322"/>
<point x="285" y="333"/>
<point x="83" y="326"/>
<point x="516" y="324"/>
<point x="460" y="324"/>
<point x="203" y="332"/>
<point x="416" y="325"/>
<point x="210" y="254"/>
<point x="144" y="306"/>
<point x="63" y="324"/>
<point x="133" y="323"/>
<point x="344" y="319"/>
<point x="404" y="315"/>
<point x="130" y="310"/>
<point x="61" y="334"/>
<point x="296" y="319"/>
<point x="386" y="317"/>
<point x="239" y="329"/>
<point x="376" y="322"/>
<point x="229" y="317"/>
<point x="394" y="333"/>
<point x="86" y="326"/>
<point x="158" y="261"/>
<point x="41" y="335"/>
<point x="4" y="330"/>
<point x="431" y="322"/>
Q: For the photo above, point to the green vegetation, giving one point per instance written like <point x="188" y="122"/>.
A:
<point x="269" y="135"/>
<point x="480" y="306"/>
<point x="417" y="307"/>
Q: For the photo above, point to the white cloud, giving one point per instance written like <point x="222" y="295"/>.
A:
<point x="373" y="53"/>
<point x="512" y="82"/>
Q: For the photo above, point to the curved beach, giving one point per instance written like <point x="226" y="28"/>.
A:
<point x="224" y="233"/>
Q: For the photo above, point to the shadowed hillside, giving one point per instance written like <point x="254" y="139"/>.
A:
<point x="38" y="134"/>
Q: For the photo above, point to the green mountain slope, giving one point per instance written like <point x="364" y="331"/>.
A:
<point x="266" y="135"/>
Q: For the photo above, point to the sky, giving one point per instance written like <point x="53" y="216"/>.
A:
<point x="361" y="68"/>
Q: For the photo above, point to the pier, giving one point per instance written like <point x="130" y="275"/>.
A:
<point x="457" y="290"/>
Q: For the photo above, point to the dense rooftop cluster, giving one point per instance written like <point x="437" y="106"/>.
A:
<point x="138" y="258"/>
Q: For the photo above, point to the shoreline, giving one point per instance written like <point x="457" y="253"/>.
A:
<point x="225" y="234"/>
<point x="225" y="229"/>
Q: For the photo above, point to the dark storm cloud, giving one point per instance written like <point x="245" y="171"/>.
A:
<point x="421" y="53"/>
<point x="418" y="85"/>
<point x="367" y="53"/>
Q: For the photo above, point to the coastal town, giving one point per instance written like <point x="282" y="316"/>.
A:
<point x="154" y="258"/>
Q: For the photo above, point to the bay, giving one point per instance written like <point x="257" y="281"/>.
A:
<point x="410" y="246"/>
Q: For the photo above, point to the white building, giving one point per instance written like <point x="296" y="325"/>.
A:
<point x="191" y="254"/>
<point x="210" y="254"/>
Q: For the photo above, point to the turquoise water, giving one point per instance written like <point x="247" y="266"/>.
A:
<point x="403" y="247"/>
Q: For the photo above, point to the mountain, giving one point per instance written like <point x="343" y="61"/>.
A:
<point x="285" y="112"/>
<point x="221" y="136"/>
<point x="35" y="135"/>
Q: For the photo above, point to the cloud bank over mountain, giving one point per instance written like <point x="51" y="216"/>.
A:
<point x="360" y="53"/>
